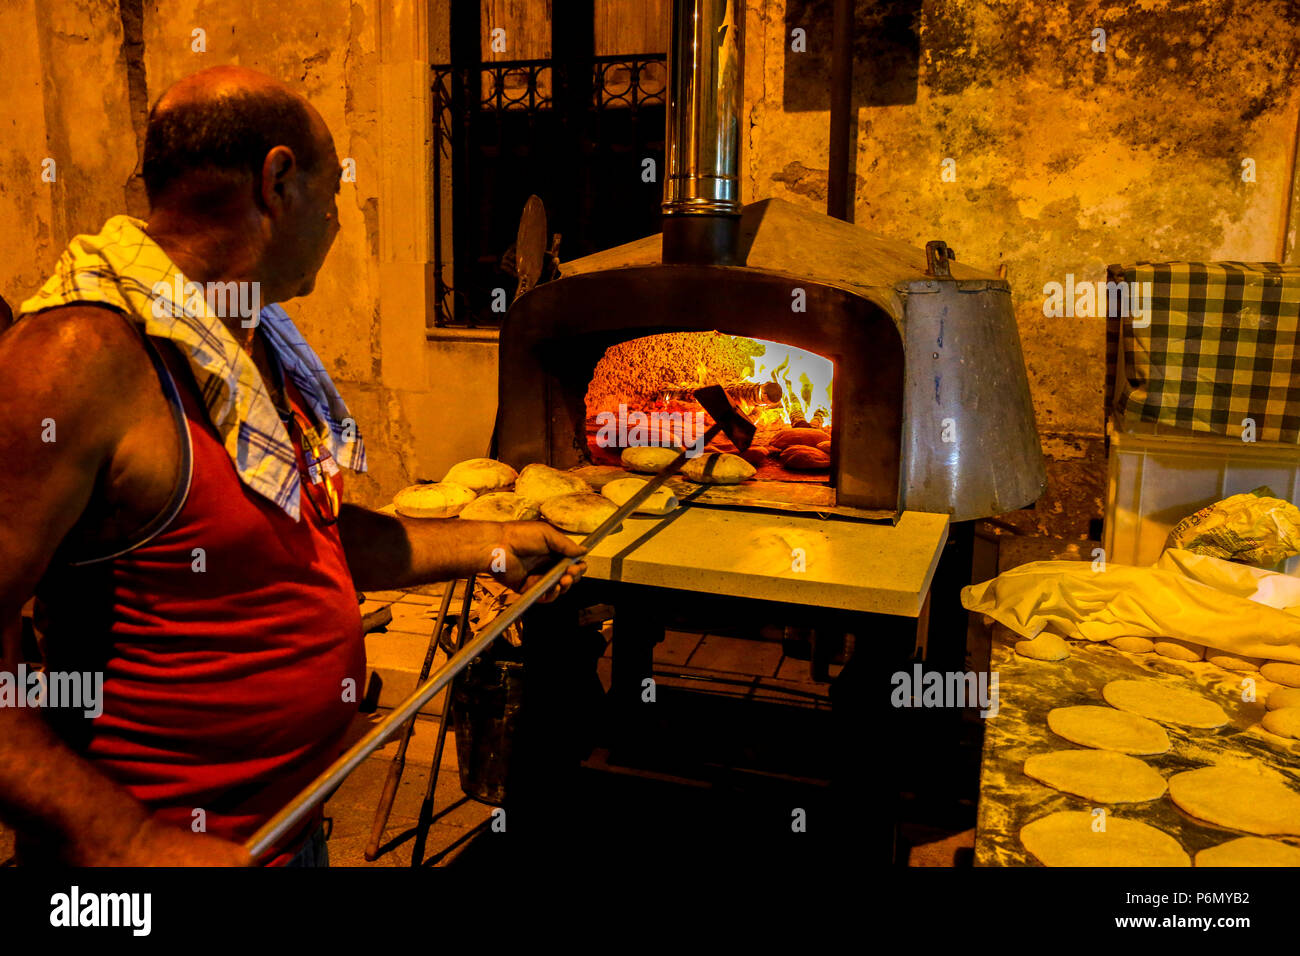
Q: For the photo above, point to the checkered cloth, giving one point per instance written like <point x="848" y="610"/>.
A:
<point x="124" y="269"/>
<point x="1221" y="347"/>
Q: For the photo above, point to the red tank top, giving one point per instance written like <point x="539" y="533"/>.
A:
<point x="226" y="689"/>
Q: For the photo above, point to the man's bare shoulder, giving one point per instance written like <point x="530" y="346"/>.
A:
<point x="74" y="349"/>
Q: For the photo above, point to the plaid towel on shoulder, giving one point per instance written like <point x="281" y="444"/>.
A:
<point x="124" y="269"/>
<point x="1213" y="346"/>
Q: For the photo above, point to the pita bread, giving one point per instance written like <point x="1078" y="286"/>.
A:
<point x="482" y="474"/>
<point x="442" y="500"/>
<point x="718" y="469"/>
<point x="598" y="476"/>
<point x="621" y="491"/>
<point x="649" y="458"/>
<point x="542" y="482"/>
<point x="501" y="506"/>
<point x="580" y="513"/>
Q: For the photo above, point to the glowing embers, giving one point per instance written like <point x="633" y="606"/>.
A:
<point x="641" y="393"/>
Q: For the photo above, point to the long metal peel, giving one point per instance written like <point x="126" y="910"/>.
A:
<point x="726" y="418"/>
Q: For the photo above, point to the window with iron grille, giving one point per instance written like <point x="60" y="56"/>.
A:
<point x="578" y="126"/>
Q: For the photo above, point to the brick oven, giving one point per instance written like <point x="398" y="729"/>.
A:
<point x="909" y="360"/>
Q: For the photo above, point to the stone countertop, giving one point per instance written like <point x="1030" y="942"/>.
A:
<point x="799" y="559"/>
<point x="1028" y="689"/>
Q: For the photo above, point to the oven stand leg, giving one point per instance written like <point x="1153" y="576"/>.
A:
<point x="636" y="632"/>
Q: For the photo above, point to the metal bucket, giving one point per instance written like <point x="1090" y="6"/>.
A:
<point x="486" y="702"/>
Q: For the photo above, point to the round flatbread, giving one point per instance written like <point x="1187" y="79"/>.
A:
<point x="542" y="482"/>
<point x="659" y="503"/>
<point x="1283" y="697"/>
<point x="1068" y="838"/>
<point x="482" y="474"/>
<point x="1134" y="645"/>
<point x="717" y="469"/>
<point x="1232" y="662"/>
<point x="648" y="458"/>
<point x="501" y="506"/>
<point x="580" y="513"/>
<point x="1250" y="851"/>
<point x="1236" y="798"/>
<point x="1285" y="722"/>
<point x="1164" y="702"/>
<point x="1278" y="673"/>
<point x="1178" y="650"/>
<point x="598" y="476"/>
<point x="1108" y="729"/>
<point x="444" y="499"/>
<point x="1099" y="775"/>
<point x="1044" y="647"/>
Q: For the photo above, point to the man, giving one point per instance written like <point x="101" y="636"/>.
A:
<point x="171" y="493"/>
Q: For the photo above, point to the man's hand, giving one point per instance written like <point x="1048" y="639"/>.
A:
<point x="528" y="546"/>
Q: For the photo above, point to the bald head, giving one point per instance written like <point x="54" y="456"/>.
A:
<point x="210" y="132"/>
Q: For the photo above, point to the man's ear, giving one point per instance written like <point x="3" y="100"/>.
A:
<point x="277" y="171"/>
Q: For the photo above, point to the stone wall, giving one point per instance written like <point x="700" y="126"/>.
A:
<point x="1064" y="159"/>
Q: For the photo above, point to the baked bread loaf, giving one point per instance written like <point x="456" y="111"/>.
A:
<point x="501" y="506"/>
<point x="804" y="458"/>
<point x="659" y="503"/>
<point x="580" y="513"/>
<point x="444" y="499"/>
<point x="724" y="469"/>
<point x="799" y="436"/>
<point x="648" y="458"/>
<point x="542" y="482"/>
<point x="482" y="474"/>
<point x="598" y="476"/>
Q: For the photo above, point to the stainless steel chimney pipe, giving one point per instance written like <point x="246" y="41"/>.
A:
<point x="701" y="205"/>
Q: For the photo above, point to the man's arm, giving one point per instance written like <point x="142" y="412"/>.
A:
<point x="389" y="551"/>
<point x="67" y="390"/>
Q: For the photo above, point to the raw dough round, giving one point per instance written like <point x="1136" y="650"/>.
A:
<point x="1044" y="647"/>
<point x="1178" y="650"/>
<point x="580" y="513"/>
<point x="1100" y="775"/>
<point x="482" y="474"/>
<point x="1236" y="798"/>
<point x="1232" y="662"/>
<point x="1250" y="851"/>
<point x="717" y="469"/>
<point x="621" y="491"/>
<point x="501" y="506"/>
<point x="541" y="482"/>
<point x="648" y="458"/>
<point x="1288" y="674"/>
<point x="1283" y="697"/>
<point x="1108" y="729"/>
<point x="445" y="499"/>
<point x="1068" y="839"/>
<point x="1164" y="702"/>
<point x="1285" y="722"/>
<point x="1134" y="645"/>
<point x="598" y="476"/>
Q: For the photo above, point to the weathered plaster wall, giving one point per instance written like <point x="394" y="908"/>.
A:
<point x="1066" y="159"/>
<point x="65" y="99"/>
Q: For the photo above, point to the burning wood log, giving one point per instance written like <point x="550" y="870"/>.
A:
<point x="757" y="394"/>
